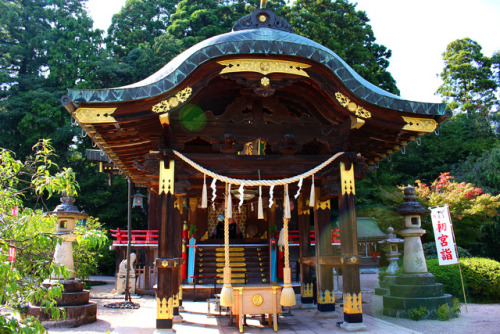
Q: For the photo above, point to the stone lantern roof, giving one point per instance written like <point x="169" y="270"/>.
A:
<point x="411" y="206"/>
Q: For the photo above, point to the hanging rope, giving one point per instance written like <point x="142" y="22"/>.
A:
<point x="255" y="183"/>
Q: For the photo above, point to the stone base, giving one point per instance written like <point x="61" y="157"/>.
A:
<point x="177" y="319"/>
<point x="412" y="291"/>
<point x="353" y="327"/>
<point x="323" y="315"/>
<point x="75" y="300"/>
<point x="307" y="306"/>
<point x="75" y="316"/>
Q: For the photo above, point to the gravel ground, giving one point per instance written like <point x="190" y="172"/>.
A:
<point x="480" y="318"/>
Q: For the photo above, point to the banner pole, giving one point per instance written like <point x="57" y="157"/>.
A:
<point x="458" y="258"/>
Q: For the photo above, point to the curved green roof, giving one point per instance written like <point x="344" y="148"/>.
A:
<point x="264" y="41"/>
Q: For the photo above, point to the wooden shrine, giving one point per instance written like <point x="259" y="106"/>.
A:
<point x="258" y="103"/>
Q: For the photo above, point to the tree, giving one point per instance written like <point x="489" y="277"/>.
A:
<point x="47" y="46"/>
<point x="138" y="22"/>
<point x="345" y="30"/>
<point x="470" y="208"/>
<point x="468" y="82"/>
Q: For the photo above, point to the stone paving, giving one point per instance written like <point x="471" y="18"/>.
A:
<point x="195" y="320"/>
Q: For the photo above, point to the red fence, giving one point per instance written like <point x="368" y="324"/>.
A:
<point x="293" y="236"/>
<point x="137" y="237"/>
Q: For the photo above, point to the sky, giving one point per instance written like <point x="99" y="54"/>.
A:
<point x="417" y="33"/>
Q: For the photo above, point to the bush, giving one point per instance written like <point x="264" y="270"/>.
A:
<point x="430" y="251"/>
<point x="418" y="313"/>
<point x="481" y="279"/>
<point x="444" y="312"/>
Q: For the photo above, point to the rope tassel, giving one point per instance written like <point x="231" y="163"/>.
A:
<point x="312" y="198"/>
<point x="227" y="294"/>
<point x="260" y="209"/>
<point x="204" y="198"/>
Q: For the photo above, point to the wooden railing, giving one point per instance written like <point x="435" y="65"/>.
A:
<point x="151" y="236"/>
<point x="293" y="236"/>
<point x="137" y="237"/>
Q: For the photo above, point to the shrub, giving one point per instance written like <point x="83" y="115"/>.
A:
<point x="481" y="279"/>
<point x="444" y="312"/>
<point x="431" y="252"/>
<point x="418" y="313"/>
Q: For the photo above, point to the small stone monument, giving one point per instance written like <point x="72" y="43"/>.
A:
<point x="121" y="276"/>
<point x="415" y="287"/>
<point x="75" y="300"/>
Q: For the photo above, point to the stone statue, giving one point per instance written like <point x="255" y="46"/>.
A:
<point x="121" y="276"/>
<point x="122" y="269"/>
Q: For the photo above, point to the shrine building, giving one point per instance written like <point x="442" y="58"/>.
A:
<point x="242" y="135"/>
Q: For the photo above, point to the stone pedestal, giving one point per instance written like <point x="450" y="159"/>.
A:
<point x="64" y="254"/>
<point x="121" y="280"/>
<point x="412" y="291"/>
<point x="75" y="300"/>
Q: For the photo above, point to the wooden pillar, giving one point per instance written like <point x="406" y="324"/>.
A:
<point x="349" y="248"/>
<point x="306" y="280"/>
<point x="168" y="263"/>
<point x="324" y="272"/>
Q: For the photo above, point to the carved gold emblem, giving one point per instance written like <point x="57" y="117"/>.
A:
<point x="262" y="18"/>
<point x="265" y="81"/>
<point x="419" y="124"/>
<point x="257" y="299"/>
<point x="351" y="106"/>
<point x="94" y="115"/>
<point x="264" y="66"/>
<point x="173" y="101"/>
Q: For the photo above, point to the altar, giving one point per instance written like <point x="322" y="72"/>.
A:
<point x="257" y="299"/>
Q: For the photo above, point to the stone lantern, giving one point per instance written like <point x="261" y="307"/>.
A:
<point x="392" y="255"/>
<point x="67" y="215"/>
<point x="74" y="299"/>
<point x="414" y="259"/>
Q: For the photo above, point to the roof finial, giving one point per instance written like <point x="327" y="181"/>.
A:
<point x="263" y="4"/>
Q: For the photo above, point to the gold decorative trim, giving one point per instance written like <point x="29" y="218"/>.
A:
<point x="347" y="179"/>
<point x="352" y="303"/>
<point x="351" y="106"/>
<point x="419" y="124"/>
<point x="179" y="203"/>
<point x="164" y="308"/>
<point x="265" y="81"/>
<point x="306" y="290"/>
<point x="323" y="205"/>
<point x="173" y="101"/>
<point x="257" y="300"/>
<point x="263" y="66"/>
<point x="176" y="300"/>
<point x="94" y="115"/>
<point x="167" y="177"/>
<point x="357" y="122"/>
<point x="326" y="297"/>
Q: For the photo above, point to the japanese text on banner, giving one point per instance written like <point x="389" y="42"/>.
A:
<point x="443" y="233"/>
